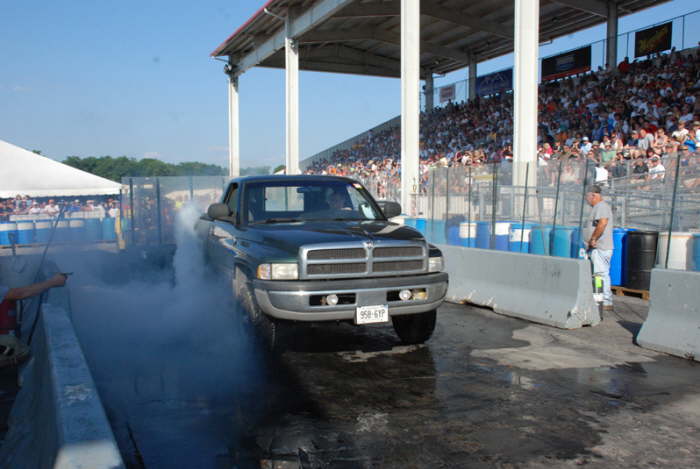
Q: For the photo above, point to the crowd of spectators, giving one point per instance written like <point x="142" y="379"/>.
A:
<point x="50" y="207"/>
<point x="626" y="122"/>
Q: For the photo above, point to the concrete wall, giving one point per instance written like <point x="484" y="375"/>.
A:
<point x="547" y="290"/>
<point x="673" y="323"/>
<point x="57" y="420"/>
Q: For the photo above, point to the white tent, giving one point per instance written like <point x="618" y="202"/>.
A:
<point x="24" y="172"/>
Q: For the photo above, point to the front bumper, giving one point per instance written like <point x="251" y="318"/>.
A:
<point x="291" y="300"/>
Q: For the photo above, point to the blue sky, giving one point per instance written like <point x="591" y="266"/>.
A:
<point x="135" y="78"/>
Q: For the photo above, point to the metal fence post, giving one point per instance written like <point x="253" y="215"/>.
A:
<point x="673" y="207"/>
<point x="131" y="211"/>
<point x="583" y="201"/>
<point x="158" y="208"/>
<point x="556" y="207"/>
<point x="469" y="207"/>
<point x="522" y="226"/>
<point x="447" y="196"/>
<point x="494" y="203"/>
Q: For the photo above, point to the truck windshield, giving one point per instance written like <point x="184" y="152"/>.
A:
<point x="291" y="201"/>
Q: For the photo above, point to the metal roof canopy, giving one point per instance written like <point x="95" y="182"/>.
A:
<point x="364" y="36"/>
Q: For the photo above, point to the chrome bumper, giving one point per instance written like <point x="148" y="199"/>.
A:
<point x="291" y="300"/>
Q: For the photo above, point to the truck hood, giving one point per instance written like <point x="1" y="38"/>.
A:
<point x="289" y="237"/>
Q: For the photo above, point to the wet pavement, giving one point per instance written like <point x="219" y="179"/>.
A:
<point x="185" y="387"/>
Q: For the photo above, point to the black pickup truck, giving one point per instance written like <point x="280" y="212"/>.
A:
<point x="320" y="248"/>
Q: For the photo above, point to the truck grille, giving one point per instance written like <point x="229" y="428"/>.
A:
<point x="345" y="260"/>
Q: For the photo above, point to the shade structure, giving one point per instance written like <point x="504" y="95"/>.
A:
<point x="27" y="173"/>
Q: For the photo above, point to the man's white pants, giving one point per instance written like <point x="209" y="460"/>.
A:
<point x="601" y="266"/>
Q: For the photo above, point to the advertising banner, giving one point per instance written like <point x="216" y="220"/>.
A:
<point x="493" y="83"/>
<point x="568" y="63"/>
<point x="447" y="93"/>
<point x="652" y="40"/>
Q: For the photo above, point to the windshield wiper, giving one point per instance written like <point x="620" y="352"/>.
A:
<point x="276" y="220"/>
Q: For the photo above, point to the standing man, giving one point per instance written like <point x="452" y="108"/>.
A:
<point x="597" y="233"/>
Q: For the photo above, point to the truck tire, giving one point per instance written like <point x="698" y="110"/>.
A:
<point x="262" y="325"/>
<point x="414" y="328"/>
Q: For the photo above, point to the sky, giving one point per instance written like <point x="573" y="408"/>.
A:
<point x="135" y="78"/>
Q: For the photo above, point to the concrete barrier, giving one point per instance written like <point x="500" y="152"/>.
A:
<point x="673" y="323"/>
<point x="547" y="290"/>
<point x="57" y="420"/>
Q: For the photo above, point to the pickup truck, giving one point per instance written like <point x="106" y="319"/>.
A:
<point x="320" y="248"/>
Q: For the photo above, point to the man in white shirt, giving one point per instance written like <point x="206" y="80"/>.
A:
<point x="51" y="208"/>
<point x="656" y="169"/>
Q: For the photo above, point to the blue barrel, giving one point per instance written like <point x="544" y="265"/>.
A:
<point x="483" y="234"/>
<point x="437" y="230"/>
<point x="25" y="232"/>
<point x="62" y="233"/>
<point x="42" y="231"/>
<point x="502" y="235"/>
<point x="578" y="248"/>
<point x="77" y="230"/>
<point x="539" y="240"/>
<point x="518" y="232"/>
<point x="93" y="229"/>
<point x="7" y="229"/>
<point x="453" y="235"/>
<point x="467" y="234"/>
<point x="561" y="241"/>
<point x="696" y="252"/>
<point x="618" y="258"/>
<point x="108" y="233"/>
<point x="420" y="225"/>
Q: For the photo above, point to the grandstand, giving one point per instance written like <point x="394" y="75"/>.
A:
<point x="412" y="40"/>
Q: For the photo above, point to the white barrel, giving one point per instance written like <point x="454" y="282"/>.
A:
<point x="502" y="228"/>
<point x="517" y="233"/>
<point x="8" y="226"/>
<point x="75" y="223"/>
<point x="681" y="256"/>
<point x="467" y="230"/>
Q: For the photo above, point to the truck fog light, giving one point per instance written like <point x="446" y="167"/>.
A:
<point x="420" y="295"/>
<point x="405" y="295"/>
<point x="332" y="299"/>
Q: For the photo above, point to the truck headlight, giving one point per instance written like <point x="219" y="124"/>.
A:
<point x="435" y="264"/>
<point x="285" y="271"/>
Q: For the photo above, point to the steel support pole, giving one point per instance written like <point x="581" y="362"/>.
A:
<point x="234" y="156"/>
<point x="429" y="93"/>
<point x="291" y="69"/>
<point x="472" y="78"/>
<point x="527" y="26"/>
<point x="611" y="36"/>
<point x="410" y="102"/>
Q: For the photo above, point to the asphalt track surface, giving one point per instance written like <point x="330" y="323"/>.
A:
<point x="186" y="387"/>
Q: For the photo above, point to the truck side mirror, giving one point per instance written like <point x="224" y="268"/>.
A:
<point x="390" y="209"/>
<point x="218" y="211"/>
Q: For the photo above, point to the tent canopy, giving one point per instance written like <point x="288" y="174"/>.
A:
<point x="24" y="172"/>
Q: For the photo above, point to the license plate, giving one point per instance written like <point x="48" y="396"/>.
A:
<point x="372" y="314"/>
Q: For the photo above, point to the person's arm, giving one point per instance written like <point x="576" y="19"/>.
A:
<point x="21" y="293"/>
<point x="598" y="232"/>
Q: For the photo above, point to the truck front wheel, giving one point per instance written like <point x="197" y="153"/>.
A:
<point x="414" y="328"/>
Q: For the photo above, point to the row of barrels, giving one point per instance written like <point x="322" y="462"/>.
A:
<point x="71" y="230"/>
<point x="634" y="256"/>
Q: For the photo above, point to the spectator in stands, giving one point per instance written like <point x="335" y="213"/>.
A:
<point x="36" y="209"/>
<point x="51" y="208"/>
<point x="656" y="169"/>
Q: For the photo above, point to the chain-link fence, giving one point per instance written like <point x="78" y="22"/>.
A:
<point x="480" y="207"/>
<point x="150" y="205"/>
